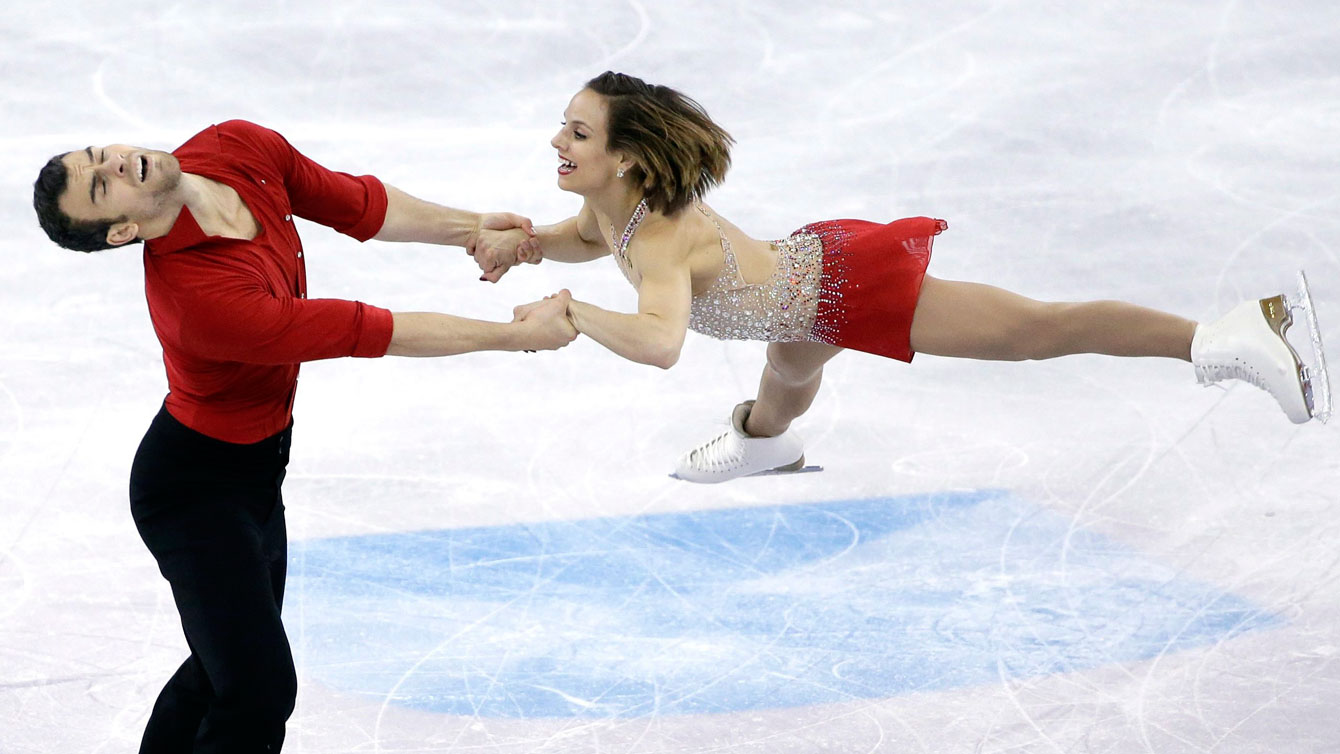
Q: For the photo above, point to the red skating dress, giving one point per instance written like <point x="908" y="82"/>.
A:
<point x="849" y="283"/>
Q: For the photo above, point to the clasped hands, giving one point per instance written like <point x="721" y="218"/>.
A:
<point x="503" y="239"/>
<point x="549" y="315"/>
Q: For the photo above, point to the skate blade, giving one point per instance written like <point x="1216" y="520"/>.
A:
<point x="798" y="467"/>
<point x="795" y="467"/>
<point x="790" y="469"/>
<point x="1316" y="378"/>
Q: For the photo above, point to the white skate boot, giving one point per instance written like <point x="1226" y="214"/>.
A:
<point x="733" y="453"/>
<point x="1248" y="344"/>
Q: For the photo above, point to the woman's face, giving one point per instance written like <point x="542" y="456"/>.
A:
<point x="584" y="166"/>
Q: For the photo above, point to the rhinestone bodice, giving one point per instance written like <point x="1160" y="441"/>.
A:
<point x="781" y="308"/>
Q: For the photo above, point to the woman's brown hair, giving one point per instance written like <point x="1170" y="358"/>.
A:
<point x="680" y="152"/>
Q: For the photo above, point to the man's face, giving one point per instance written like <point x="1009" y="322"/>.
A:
<point x="118" y="181"/>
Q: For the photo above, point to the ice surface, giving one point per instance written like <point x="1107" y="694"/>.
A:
<point x="1181" y="155"/>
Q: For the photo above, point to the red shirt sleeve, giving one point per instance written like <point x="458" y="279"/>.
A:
<point x="352" y="205"/>
<point x="234" y="318"/>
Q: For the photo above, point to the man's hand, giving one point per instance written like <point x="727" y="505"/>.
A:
<point x="549" y="318"/>
<point x="501" y="240"/>
<point x="499" y="250"/>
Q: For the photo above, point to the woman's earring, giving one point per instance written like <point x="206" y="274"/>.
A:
<point x="619" y="174"/>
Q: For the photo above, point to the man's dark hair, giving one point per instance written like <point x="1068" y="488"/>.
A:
<point x="60" y="227"/>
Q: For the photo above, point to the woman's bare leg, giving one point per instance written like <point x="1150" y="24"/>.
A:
<point x="789" y="384"/>
<point x="974" y="321"/>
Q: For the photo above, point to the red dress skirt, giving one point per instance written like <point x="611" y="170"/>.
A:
<point x="870" y="282"/>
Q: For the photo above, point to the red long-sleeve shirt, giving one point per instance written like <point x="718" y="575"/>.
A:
<point x="232" y="315"/>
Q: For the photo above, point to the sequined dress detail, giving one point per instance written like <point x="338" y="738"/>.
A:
<point x="779" y="309"/>
<point x="849" y="283"/>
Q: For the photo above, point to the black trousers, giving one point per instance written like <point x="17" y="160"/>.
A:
<point x="213" y="517"/>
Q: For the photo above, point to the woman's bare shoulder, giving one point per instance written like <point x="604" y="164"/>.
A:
<point x="667" y="236"/>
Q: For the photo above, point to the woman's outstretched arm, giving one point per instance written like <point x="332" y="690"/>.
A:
<point x="576" y="239"/>
<point x="655" y="335"/>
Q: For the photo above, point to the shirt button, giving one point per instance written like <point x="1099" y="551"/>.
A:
<point x="262" y="181"/>
<point x="287" y="217"/>
<point x="300" y="255"/>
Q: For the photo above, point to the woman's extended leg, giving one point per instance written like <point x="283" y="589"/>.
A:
<point x="974" y="321"/>
<point x="970" y="320"/>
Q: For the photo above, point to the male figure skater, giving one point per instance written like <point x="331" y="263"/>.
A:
<point x="226" y="285"/>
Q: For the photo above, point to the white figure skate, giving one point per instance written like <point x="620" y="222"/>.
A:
<point x="733" y="454"/>
<point x="1248" y="344"/>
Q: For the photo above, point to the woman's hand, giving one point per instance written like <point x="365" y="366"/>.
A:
<point x="502" y="240"/>
<point x="549" y="316"/>
<point x="519" y="312"/>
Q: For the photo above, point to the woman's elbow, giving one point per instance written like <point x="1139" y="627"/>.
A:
<point x="665" y="355"/>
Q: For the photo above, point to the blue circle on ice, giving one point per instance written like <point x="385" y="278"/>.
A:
<point x="717" y="611"/>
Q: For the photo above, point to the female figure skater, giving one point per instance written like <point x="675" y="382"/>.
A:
<point x="643" y="156"/>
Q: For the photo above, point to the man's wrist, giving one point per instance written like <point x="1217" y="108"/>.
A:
<point x="463" y="230"/>
<point x="523" y="335"/>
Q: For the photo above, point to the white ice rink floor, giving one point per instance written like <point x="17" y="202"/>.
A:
<point x="1083" y="555"/>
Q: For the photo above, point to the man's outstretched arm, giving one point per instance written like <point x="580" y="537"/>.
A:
<point x="409" y="218"/>
<point x="540" y="328"/>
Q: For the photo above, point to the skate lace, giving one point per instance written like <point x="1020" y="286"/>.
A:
<point x="716" y="453"/>
<point x="1218" y="372"/>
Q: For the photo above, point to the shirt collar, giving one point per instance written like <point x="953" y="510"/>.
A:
<point x="185" y="233"/>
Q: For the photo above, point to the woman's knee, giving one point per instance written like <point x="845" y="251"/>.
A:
<point x="1030" y="330"/>
<point x="1042" y="331"/>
